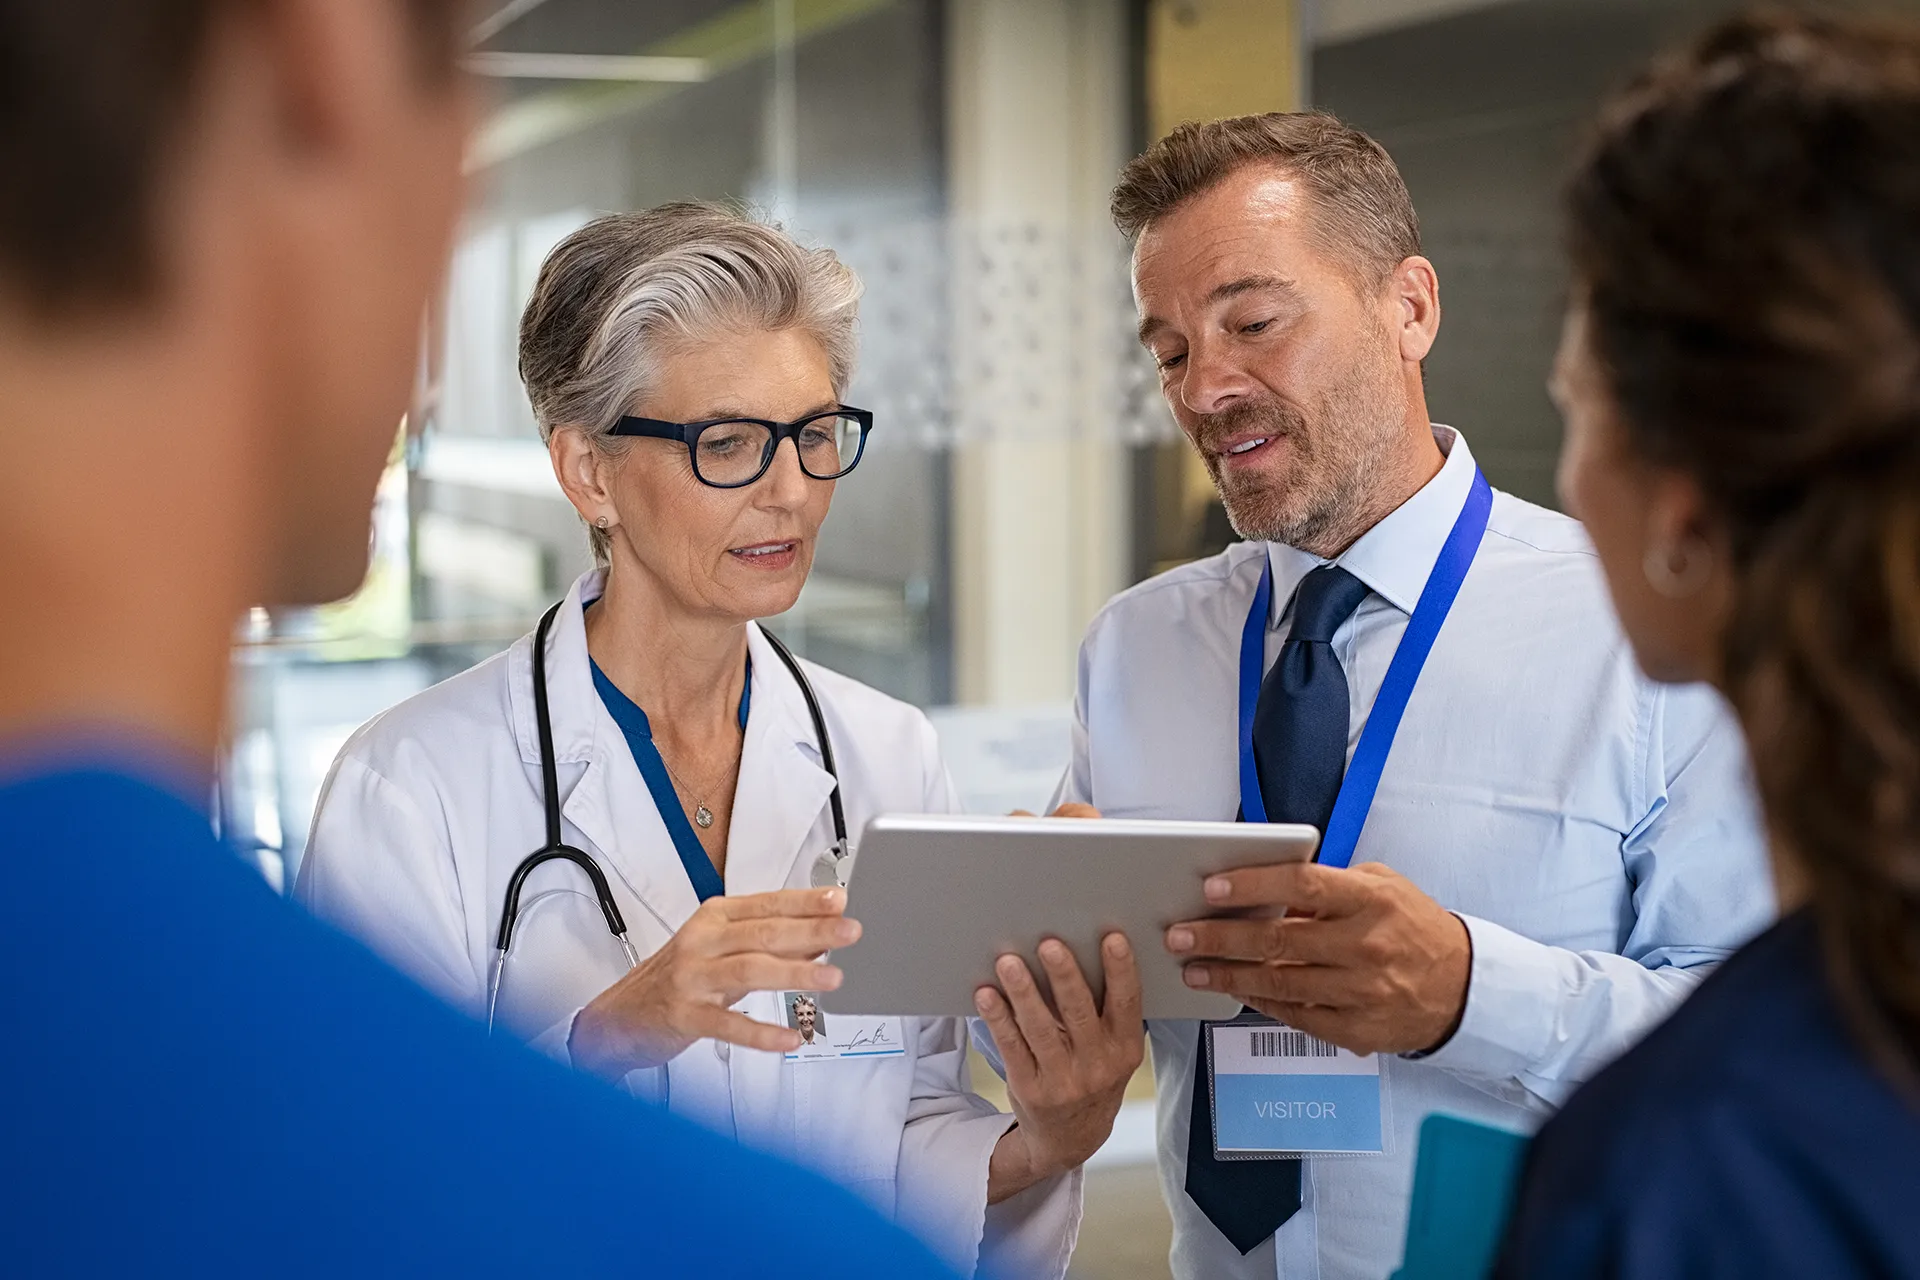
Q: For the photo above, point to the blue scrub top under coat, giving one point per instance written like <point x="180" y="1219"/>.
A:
<point x="639" y="734"/>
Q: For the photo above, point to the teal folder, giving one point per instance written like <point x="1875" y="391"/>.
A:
<point x="1463" y="1191"/>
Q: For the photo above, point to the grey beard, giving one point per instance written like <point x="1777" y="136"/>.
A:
<point x="1326" y="528"/>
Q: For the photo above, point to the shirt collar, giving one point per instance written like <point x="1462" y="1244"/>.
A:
<point x="1395" y="557"/>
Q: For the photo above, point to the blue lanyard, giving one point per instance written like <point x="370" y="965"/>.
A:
<point x="1342" y="835"/>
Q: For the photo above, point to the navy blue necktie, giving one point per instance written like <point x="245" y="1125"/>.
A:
<point x="1300" y="754"/>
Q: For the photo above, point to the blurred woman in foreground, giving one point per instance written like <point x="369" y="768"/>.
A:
<point x="1740" y="375"/>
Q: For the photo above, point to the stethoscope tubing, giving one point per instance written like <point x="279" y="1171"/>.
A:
<point x="555" y="848"/>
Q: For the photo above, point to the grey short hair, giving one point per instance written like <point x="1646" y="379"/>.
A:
<point x="615" y="298"/>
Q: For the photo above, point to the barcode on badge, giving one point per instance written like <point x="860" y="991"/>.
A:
<point x="1291" y="1044"/>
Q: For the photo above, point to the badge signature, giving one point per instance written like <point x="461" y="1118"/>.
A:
<point x="877" y="1037"/>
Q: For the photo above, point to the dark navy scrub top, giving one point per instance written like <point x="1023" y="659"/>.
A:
<point x="1748" y="1137"/>
<point x="638" y="731"/>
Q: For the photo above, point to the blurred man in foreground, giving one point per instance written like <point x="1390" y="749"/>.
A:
<point x="220" y="223"/>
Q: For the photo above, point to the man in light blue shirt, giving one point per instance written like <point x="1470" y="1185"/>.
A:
<point x="1557" y="850"/>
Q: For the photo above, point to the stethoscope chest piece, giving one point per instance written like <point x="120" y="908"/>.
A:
<point x="833" y="868"/>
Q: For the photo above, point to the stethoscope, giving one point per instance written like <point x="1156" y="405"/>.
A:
<point x="831" y="868"/>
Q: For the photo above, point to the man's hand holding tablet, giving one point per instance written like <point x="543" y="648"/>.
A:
<point x="1358" y="956"/>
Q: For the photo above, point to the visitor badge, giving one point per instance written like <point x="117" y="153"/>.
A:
<point x="1279" y="1092"/>
<point x="828" y="1037"/>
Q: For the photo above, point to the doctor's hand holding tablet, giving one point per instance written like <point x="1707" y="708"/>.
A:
<point x="1067" y="1063"/>
<point x="685" y="991"/>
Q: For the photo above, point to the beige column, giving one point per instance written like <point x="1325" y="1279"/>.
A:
<point x="1039" y="123"/>
<point x="1207" y="59"/>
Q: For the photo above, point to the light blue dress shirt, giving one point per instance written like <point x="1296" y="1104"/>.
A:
<point x="1595" y="831"/>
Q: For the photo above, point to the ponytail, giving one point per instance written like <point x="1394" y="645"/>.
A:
<point x="1745" y="232"/>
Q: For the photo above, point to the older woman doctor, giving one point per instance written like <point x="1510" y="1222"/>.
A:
<point x="685" y="365"/>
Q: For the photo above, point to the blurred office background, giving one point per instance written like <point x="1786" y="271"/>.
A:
<point x="958" y="153"/>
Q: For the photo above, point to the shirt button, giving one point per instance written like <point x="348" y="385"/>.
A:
<point x="721" y="1050"/>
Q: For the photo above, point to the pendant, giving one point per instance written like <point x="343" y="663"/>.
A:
<point x="702" y="817"/>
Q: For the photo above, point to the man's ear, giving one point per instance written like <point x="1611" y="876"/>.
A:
<point x="1414" y="288"/>
<point x="583" y="474"/>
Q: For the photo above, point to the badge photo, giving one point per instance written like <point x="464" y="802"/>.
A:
<point x="849" y="1037"/>
<point x="804" y="1016"/>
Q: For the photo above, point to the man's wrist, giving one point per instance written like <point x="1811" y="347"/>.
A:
<point x="1460" y="1008"/>
<point x="1514" y="1012"/>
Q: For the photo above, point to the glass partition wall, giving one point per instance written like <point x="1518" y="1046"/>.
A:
<point x="825" y="114"/>
<point x="956" y="153"/>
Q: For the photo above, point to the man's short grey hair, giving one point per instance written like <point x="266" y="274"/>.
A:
<point x="617" y="297"/>
<point x="1362" y="213"/>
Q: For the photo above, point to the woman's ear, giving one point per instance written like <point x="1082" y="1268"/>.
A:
<point x="585" y="476"/>
<point x="1686" y="551"/>
<point x="1689" y="562"/>
<point x="1677" y="516"/>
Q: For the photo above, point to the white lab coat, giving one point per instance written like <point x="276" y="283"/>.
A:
<point x="430" y="807"/>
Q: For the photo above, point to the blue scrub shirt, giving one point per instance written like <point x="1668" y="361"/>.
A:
<point x="200" y="1079"/>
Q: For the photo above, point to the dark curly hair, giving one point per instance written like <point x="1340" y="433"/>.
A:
<point x="1745" y="236"/>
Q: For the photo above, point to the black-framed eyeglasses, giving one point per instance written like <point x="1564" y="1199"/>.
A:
<point x="731" y="453"/>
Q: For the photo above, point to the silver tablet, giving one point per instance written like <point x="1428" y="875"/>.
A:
<point x="940" y="898"/>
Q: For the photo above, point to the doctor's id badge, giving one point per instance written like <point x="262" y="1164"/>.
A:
<point x="1280" y="1092"/>
<point x="830" y="1039"/>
